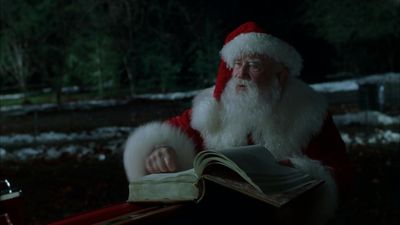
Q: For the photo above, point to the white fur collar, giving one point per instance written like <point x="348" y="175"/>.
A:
<point x="297" y="117"/>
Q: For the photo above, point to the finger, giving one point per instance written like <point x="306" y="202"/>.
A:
<point x="156" y="164"/>
<point x="152" y="162"/>
<point x="169" y="162"/>
<point x="149" y="165"/>
<point x="159" y="161"/>
<point x="169" y="158"/>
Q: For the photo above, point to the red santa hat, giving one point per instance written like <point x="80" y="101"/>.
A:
<point x="249" y="38"/>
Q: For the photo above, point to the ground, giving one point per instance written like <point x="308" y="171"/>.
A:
<point x="53" y="189"/>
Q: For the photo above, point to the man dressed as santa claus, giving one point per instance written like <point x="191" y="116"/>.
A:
<point x="257" y="99"/>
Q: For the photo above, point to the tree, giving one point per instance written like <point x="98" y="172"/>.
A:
<point x="361" y="31"/>
<point x="92" y="62"/>
<point x="13" y="62"/>
<point x="206" y="44"/>
<point x="14" y="58"/>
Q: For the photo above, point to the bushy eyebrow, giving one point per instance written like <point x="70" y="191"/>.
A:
<point x="249" y="60"/>
<point x="254" y="60"/>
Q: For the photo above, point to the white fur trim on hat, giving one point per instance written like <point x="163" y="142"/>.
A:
<point x="141" y="142"/>
<point x="264" y="44"/>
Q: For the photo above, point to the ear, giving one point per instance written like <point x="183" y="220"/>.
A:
<point x="283" y="76"/>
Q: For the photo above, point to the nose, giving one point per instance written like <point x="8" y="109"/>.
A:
<point x="243" y="72"/>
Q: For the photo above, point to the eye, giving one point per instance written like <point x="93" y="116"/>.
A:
<point x="255" y="66"/>
<point x="237" y="63"/>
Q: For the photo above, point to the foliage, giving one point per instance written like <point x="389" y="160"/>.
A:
<point x="348" y="20"/>
<point x="206" y="57"/>
<point x="361" y="31"/>
<point x="92" y="62"/>
<point x="13" y="61"/>
<point x="162" y="42"/>
<point x="171" y="45"/>
<point x="18" y="21"/>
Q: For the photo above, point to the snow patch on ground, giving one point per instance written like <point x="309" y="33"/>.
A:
<point x="46" y="152"/>
<point x="44" y="148"/>
<point x="367" y="138"/>
<point x="41" y="145"/>
<point x="346" y="85"/>
<point x="169" y="96"/>
<point x="353" y="84"/>
<point x="51" y="137"/>
<point x="335" y="86"/>
<point x="371" y="118"/>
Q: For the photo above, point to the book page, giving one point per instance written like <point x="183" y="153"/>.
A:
<point x="276" y="199"/>
<point x="257" y="164"/>
<point x="206" y="159"/>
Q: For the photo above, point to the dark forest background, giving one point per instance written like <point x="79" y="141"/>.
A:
<point x="61" y="51"/>
<point x="136" y="46"/>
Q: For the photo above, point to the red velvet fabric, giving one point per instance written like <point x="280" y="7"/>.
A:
<point x="223" y="76"/>
<point x="183" y="122"/>
<point x="247" y="27"/>
<point x="224" y="73"/>
<point x="99" y="215"/>
<point x="328" y="147"/>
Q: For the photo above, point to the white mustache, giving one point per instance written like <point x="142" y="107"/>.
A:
<point x="242" y="82"/>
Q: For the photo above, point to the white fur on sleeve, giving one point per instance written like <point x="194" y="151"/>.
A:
<point x="144" y="138"/>
<point x="325" y="199"/>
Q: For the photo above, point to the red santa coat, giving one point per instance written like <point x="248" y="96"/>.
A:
<point x="300" y="130"/>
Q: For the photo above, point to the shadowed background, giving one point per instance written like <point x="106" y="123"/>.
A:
<point x="62" y="52"/>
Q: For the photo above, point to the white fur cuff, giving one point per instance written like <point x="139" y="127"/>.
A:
<point x="144" y="138"/>
<point x="325" y="198"/>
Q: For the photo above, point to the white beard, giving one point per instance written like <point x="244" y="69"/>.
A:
<point x="242" y="112"/>
<point x="284" y="124"/>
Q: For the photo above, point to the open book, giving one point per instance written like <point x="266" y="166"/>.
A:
<point x="251" y="170"/>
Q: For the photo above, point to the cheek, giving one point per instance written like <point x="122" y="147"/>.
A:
<point x="234" y="71"/>
<point x="260" y="79"/>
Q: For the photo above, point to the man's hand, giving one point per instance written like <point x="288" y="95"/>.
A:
<point x="161" y="160"/>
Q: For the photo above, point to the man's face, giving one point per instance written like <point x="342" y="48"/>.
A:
<point x="257" y="69"/>
<point x="252" y="92"/>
